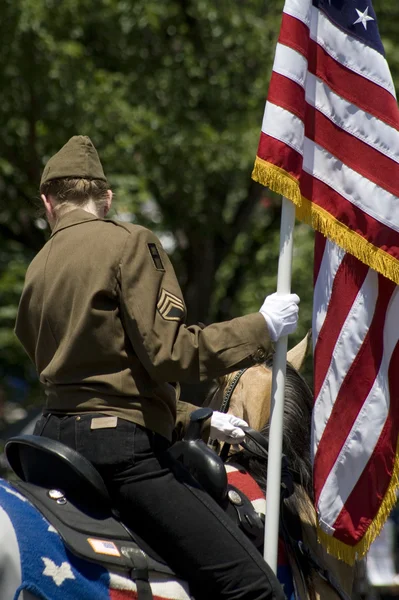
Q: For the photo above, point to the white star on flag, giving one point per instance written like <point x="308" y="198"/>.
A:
<point x="59" y="574"/>
<point x="363" y="17"/>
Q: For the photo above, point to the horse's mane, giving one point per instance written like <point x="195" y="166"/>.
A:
<point x="296" y="434"/>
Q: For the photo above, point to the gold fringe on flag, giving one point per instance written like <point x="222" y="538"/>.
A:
<point x="281" y="182"/>
<point x="277" y="180"/>
<point x="350" y="554"/>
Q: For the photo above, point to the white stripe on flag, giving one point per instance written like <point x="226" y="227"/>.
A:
<point x="347" y="346"/>
<point x="332" y="258"/>
<point x="357" y="189"/>
<point x="348" y="51"/>
<point x="300" y="9"/>
<point x="290" y="64"/>
<point x="284" y="126"/>
<point x="366" y="431"/>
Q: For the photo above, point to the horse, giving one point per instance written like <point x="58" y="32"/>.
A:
<point x="60" y="569"/>
<point x="247" y="394"/>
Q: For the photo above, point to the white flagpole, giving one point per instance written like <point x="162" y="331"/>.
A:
<point x="278" y="387"/>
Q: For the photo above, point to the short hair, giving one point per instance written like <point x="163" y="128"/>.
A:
<point x="75" y="190"/>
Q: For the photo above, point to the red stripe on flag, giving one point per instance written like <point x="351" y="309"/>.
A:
<point x="358" y="90"/>
<point x="354" y="519"/>
<point x="353" y="388"/>
<point x="354" y="153"/>
<point x="288" y="159"/>
<point x="347" y="282"/>
<point x="294" y="34"/>
<point x="288" y="94"/>
<point x="350" y="215"/>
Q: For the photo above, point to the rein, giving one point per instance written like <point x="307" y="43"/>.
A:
<point x="230" y="389"/>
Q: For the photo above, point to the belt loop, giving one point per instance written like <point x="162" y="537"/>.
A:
<point x="45" y="421"/>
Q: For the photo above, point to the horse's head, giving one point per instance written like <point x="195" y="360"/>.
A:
<point x="251" y="400"/>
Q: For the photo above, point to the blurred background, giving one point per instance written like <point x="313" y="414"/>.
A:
<point x="172" y="94"/>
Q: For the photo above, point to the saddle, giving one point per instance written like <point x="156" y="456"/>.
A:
<point x="71" y="494"/>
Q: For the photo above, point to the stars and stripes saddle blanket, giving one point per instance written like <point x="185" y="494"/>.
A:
<point x="34" y="558"/>
<point x="38" y="561"/>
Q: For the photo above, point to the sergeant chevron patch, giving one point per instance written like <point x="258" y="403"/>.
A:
<point x="171" y="307"/>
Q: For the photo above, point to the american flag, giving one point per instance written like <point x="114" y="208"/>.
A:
<point x="330" y="143"/>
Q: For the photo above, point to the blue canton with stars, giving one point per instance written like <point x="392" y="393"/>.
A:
<point x="355" y="17"/>
<point x="48" y="570"/>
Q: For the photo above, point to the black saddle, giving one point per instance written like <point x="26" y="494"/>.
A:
<point x="71" y="494"/>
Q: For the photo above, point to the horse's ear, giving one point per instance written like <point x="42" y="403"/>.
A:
<point x="297" y="354"/>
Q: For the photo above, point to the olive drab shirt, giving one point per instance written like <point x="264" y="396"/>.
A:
<point x="102" y="317"/>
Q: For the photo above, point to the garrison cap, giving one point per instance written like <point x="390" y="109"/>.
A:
<point x="78" y="158"/>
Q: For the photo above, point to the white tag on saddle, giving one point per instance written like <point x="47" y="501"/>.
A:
<point x="103" y="422"/>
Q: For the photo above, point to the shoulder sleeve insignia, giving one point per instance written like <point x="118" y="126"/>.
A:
<point x="171" y="307"/>
<point x="156" y="259"/>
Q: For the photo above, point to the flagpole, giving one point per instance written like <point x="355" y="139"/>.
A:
<point x="278" y="388"/>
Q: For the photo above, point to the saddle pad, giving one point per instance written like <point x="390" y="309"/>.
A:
<point x="51" y="572"/>
<point x="239" y="478"/>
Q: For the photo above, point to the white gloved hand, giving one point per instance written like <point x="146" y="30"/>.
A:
<point x="281" y="314"/>
<point x="227" y="428"/>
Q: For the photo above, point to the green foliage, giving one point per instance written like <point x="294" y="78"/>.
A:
<point x="387" y="12"/>
<point x="12" y="271"/>
<point x="171" y="93"/>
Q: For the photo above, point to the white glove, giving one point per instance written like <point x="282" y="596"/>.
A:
<point x="281" y="314"/>
<point x="227" y="428"/>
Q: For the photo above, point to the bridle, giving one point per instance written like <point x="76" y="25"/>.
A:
<point x="230" y="389"/>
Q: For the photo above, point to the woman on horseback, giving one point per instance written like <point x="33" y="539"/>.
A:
<point x="102" y="317"/>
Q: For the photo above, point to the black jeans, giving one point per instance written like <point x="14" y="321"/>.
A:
<point x="162" y="504"/>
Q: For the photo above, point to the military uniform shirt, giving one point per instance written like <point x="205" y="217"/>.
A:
<point x="102" y="317"/>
